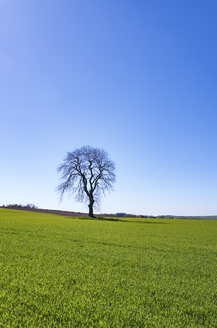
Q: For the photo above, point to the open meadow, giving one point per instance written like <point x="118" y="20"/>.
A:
<point x="59" y="271"/>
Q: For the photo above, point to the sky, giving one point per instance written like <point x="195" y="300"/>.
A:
<point x="136" y="78"/>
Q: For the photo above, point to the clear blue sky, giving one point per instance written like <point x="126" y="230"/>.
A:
<point x="137" y="78"/>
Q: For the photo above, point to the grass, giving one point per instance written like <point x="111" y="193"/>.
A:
<point x="64" y="272"/>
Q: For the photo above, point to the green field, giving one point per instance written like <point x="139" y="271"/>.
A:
<point x="58" y="271"/>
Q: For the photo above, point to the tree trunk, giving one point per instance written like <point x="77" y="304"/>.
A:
<point x="91" y="208"/>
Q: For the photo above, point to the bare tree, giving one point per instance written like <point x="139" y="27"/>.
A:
<point x="87" y="173"/>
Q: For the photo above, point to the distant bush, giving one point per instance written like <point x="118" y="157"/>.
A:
<point x="31" y="206"/>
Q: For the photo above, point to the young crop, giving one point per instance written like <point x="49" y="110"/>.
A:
<point x="64" y="272"/>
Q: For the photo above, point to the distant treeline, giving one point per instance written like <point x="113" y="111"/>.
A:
<point x="126" y="215"/>
<point x="20" y="206"/>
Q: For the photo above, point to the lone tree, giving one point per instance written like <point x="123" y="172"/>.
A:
<point x="87" y="173"/>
